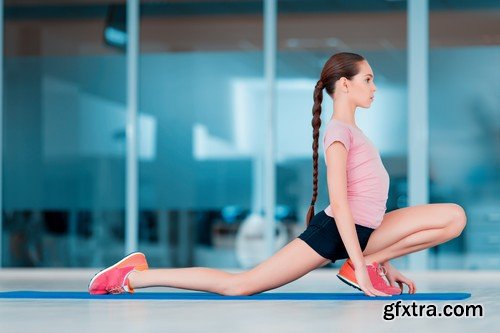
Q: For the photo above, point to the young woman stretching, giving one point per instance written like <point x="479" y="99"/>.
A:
<point x="353" y="226"/>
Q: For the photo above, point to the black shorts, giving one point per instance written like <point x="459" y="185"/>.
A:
<point x="323" y="237"/>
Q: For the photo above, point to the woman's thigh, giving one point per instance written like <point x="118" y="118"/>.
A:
<point x="403" y="222"/>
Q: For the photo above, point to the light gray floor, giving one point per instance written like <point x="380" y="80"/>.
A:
<point x="241" y="316"/>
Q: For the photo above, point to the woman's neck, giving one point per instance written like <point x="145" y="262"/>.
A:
<point x="344" y="112"/>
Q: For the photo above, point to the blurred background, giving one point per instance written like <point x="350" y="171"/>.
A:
<point x="201" y="122"/>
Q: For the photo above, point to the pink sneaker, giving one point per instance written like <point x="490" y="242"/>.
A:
<point x="375" y="273"/>
<point x="114" y="279"/>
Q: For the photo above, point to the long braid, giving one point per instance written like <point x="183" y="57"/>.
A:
<point x="316" y="124"/>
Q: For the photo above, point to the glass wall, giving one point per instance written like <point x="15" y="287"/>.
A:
<point x="464" y="129"/>
<point x="308" y="35"/>
<point x="64" y="137"/>
<point x="201" y="122"/>
<point x="201" y="89"/>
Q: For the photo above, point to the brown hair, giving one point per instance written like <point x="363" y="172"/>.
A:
<point x="339" y="65"/>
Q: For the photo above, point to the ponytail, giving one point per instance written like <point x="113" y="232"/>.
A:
<point x="316" y="124"/>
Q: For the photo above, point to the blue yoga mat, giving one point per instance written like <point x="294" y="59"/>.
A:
<point x="211" y="296"/>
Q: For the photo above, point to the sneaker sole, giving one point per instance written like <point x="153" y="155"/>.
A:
<point x="352" y="284"/>
<point x="111" y="267"/>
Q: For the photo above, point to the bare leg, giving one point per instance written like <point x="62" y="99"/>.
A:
<point x="420" y="240"/>
<point x="413" y="229"/>
<point x="192" y="278"/>
<point x="288" y="264"/>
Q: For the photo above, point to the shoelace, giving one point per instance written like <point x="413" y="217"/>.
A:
<point x="381" y="270"/>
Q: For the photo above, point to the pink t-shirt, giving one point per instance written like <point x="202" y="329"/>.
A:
<point x="367" y="178"/>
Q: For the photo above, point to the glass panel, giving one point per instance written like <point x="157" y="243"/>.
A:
<point x="64" y="142"/>
<point x="201" y="91"/>
<point x="464" y="138"/>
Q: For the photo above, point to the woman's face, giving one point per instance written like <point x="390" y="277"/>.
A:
<point x="361" y="88"/>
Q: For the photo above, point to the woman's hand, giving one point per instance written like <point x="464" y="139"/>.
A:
<point x="365" y="284"/>
<point x="394" y="276"/>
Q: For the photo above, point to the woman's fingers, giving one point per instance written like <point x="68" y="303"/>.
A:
<point x="393" y="282"/>
<point x="412" y="286"/>
<point x="372" y="292"/>
<point x="410" y="283"/>
<point x="377" y="292"/>
<point x="367" y="291"/>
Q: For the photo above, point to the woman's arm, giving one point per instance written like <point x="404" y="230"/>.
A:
<point x="336" y="159"/>
<point x="337" y="188"/>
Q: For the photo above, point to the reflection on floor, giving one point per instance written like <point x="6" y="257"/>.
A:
<point x="242" y="316"/>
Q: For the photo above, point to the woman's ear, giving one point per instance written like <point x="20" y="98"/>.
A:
<point x="342" y="84"/>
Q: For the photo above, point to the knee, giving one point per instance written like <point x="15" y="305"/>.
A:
<point x="458" y="219"/>
<point x="236" y="291"/>
<point x="236" y="287"/>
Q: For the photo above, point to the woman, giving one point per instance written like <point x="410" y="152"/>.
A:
<point x="353" y="226"/>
